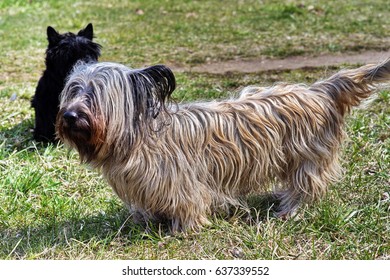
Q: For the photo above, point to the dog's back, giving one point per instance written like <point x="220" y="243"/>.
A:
<point x="286" y="134"/>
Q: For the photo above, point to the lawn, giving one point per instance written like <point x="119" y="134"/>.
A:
<point x="51" y="207"/>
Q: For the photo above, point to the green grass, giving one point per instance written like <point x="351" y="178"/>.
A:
<point x="51" y="207"/>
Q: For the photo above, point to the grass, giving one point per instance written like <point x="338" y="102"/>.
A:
<point x="51" y="207"/>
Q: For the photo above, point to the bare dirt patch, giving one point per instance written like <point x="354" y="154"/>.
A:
<point x="289" y="63"/>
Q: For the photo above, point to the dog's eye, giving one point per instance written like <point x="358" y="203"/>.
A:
<point x="89" y="96"/>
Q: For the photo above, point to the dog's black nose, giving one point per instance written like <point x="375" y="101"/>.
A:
<point x="70" y="116"/>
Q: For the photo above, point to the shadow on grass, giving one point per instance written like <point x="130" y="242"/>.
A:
<point x="34" y="242"/>
<point x="16" y="138"/>
<point x="259" y="208"/>
<point x="105" y="229"/>
<point x="263" y="206"/>
<point x="20" y="138"/>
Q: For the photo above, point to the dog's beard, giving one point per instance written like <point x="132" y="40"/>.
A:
<point x="78" y="131"/>
<point x="82" y="131"/>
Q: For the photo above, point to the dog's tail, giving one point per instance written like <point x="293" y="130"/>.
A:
<point x="349" y="87"/>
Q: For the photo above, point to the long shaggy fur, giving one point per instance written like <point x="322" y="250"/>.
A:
<point x="181" y="163"/>
<point x="63" y="51"/>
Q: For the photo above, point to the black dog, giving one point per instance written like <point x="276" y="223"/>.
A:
<point x="62" y="53"/>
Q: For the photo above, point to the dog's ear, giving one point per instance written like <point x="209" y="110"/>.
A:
<point x="162" y="79"/>
<point x="153" y="86"/>
<point x="87" y="32"/>
<point x="53" y="36"/>
<point x="163" y="83"/>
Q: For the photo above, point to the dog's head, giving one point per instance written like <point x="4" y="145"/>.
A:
<point x="107" y="106"/>
<point x="64" y="50"/>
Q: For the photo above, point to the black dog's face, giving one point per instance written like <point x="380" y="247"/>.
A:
<point x="64" y="50"/>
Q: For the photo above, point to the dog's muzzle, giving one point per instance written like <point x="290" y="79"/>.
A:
<point x="70" y="117"/>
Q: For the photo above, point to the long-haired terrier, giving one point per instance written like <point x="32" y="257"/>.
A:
<point x="62" y="53"/>
<point x="182" y="162"/>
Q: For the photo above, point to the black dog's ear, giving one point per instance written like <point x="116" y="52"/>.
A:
<point x="52" y="36"/>
<point x="153" y="87"/>
<point x="87" y="32"/>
